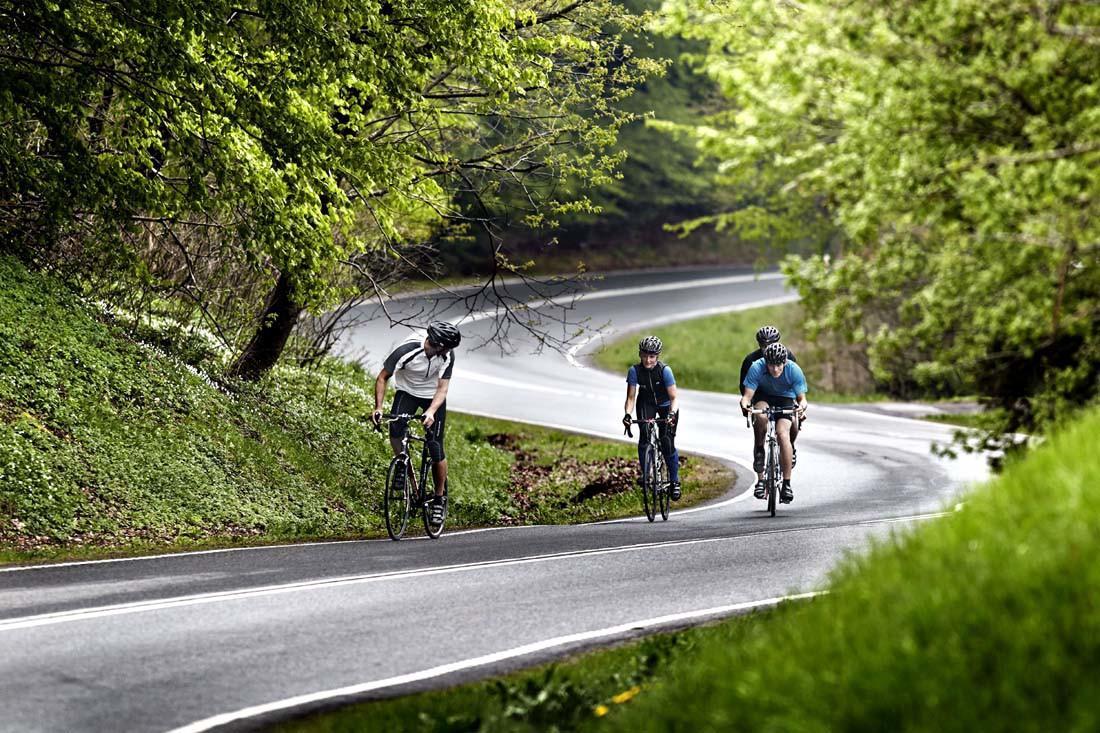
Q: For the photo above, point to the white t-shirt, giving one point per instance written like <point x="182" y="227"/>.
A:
<point x="413" y="371"/>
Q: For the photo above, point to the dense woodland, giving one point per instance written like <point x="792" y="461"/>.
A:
<point x="948" y="153"/>
<point x="932" y="166"/>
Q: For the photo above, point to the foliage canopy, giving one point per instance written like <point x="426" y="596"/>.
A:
<point x="954" y="146"/>
<point x="288" y="139"/>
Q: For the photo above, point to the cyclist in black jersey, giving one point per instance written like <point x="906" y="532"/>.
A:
<point x="651" y="386"/>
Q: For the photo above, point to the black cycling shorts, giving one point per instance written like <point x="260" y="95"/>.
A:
<point x="407" y="403"/>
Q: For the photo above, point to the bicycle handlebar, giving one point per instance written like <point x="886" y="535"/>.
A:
<point x="388" y="417"/>
<point x="392" y="417"/>
<point x="769" y="411"/>
<point x="647" y="421"/>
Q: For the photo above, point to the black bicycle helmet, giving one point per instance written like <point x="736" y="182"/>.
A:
<point x="443" y="334"/>
<point x="767" y="335"/>
<point x="650" y="345"/>
<point x="775" y="354"/>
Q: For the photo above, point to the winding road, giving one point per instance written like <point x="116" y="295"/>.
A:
<point x="236" y="638"/>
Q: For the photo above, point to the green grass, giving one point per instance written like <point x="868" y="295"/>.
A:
<point x="706" y="353"/>
<point x="115" y="440"/>
<point x="571" y="695"/>
<point x="985" y="620"/>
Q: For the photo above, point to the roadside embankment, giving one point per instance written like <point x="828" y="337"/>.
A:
<point x="118" y="436"/>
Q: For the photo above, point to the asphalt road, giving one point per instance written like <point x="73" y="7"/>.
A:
<point x="240" y="637"/>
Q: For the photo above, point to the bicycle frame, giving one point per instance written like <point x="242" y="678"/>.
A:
<point x="773" y="475"/>
<point x="416" y="493"/>
<point x="655" y="480"/>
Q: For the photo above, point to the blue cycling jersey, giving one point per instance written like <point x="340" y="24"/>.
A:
<point x="791" y="383"/>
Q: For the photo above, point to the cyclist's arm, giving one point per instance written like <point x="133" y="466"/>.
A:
<point x="438" y="399"/>
<point x="746" y="398"/>
<point x="800" y="390"/>
<point x="674" y="404"/>
<point x="631" y="395"/>
<point x="380" y="390"/>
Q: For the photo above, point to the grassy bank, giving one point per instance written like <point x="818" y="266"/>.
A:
<point x="706" y="353"/>
<point x="982" y="620"/>
<point x="115" y="438"/>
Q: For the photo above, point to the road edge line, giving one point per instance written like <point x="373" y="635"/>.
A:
<point x="650" y="624"/>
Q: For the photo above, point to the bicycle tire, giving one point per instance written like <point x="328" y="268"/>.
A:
<point x="772" y="476"/>
<point x="395" y="501"/>
<point x="649" y="484"/>
<point x="664" y="495"/>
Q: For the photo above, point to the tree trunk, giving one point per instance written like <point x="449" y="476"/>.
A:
<point x="267" y="344"/>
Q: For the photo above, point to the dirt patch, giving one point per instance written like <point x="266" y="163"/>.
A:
<point x="535" y="485"/>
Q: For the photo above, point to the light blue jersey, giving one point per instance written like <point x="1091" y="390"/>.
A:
<point x="791" y="383"/>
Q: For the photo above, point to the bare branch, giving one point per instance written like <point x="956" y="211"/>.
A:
<point x="1041" y="156"/>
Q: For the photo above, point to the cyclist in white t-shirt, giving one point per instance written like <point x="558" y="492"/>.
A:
<point x="421" y="369"/>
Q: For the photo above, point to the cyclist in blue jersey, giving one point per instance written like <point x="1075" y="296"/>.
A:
<point x="651" y="388"/>
<point x="765" y="335"/>
<point x="775" y="381"/>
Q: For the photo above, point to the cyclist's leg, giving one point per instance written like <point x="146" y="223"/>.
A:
<point x="402" y="402"/>
<point x="795" y="428"/>
<point x="760" y="430"/>
<point x="783" y="433"/>
<point x="435" y="447"/>
<point x="667" y="435"/>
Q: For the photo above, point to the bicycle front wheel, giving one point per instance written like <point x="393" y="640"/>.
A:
<point x="649" y="484"/>
<point x="772" y="478"/>
<point x="665" y="484"/>
<point x="395" y="501"/>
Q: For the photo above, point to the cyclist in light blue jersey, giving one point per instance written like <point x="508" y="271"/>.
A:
<point x="775" y="381"/>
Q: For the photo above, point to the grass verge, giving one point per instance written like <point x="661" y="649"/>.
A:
<point x="982" y="620"/>
<point x="574" y="694"/>
<point x="706" y="353"/>
<point x="117" y="439"/>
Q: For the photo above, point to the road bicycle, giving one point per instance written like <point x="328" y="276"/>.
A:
<point x="773" y="472"/>
<point x="405" y="496"/>
<point x="656" y="483"/>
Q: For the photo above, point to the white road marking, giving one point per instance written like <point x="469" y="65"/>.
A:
<point x="172" y="555"/>
<point x="463" y="664"/>
<point x="571" y="355"/>
<point x="532" y="387"/>
<point x="49" y="619"/>
<point x="619" y="292"/>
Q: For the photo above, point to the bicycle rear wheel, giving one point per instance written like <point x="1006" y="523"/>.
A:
<point x="663" y="495"/>
<point x="649" y="484"/>
<point x="395" y="500"/>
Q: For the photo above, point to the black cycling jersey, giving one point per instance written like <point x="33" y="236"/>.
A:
<point x="747" y="363"/>
<point x="652" y="383"/>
